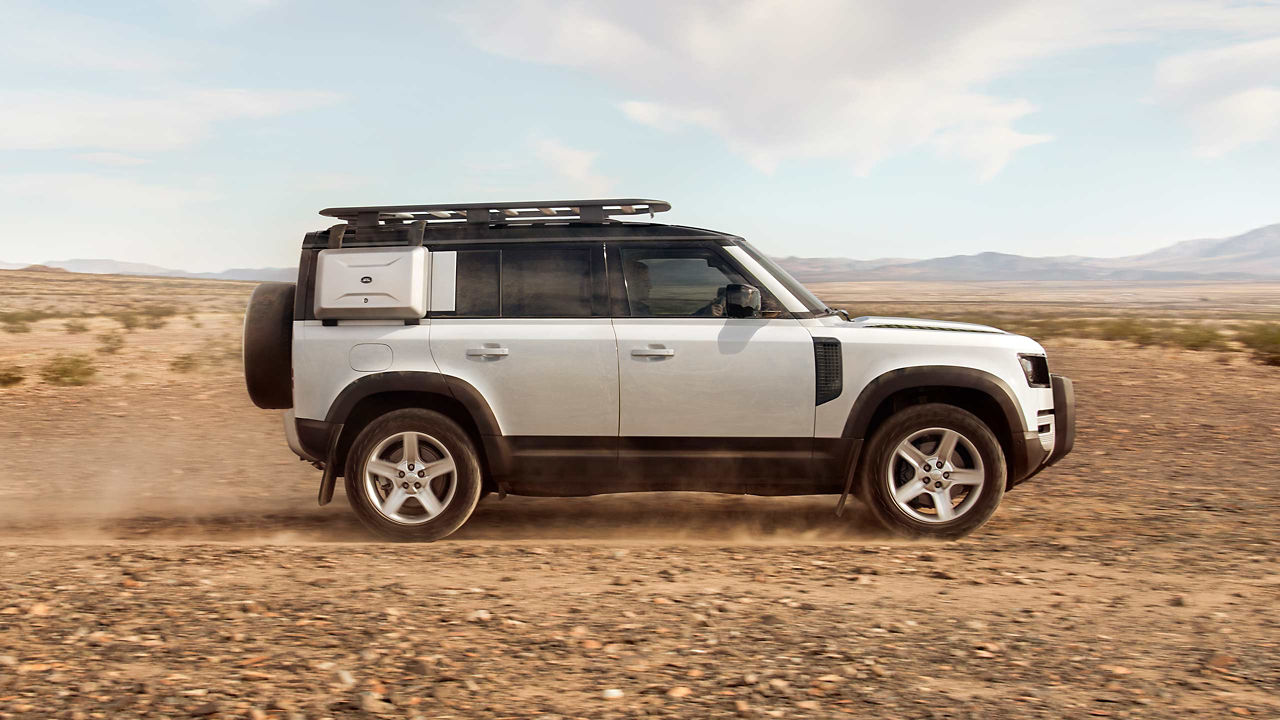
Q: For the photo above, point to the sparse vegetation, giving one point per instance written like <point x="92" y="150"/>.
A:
<point x="1198" y="336"/>
<point x="1264" y="340"/>
<point x="1170" y="331"/>
<point x="156" y="316"/>
<point x="75" y="327"/>
<point x="69" y="370"/>
<point x="187" y="362"/>
<point x="110" y="343"/>
<point x="128" y="320"/>
<point x="1132" y="330"/>
<point x="151" y="317"/>
<point x="11" y="375"/>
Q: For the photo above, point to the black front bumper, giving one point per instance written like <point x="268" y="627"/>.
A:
<point x="1029" y="456"/>
<point x="1064" y="418"/>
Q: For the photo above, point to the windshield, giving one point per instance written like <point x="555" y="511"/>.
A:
<point x="802" y="293"/>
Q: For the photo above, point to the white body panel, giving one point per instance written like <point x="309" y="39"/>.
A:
<point x="377" y="283"/>
<point x="722" y="378"/>
<point x="539" y="376"/>
<point x="869" y="352"/>
<point x="323" y="358"/>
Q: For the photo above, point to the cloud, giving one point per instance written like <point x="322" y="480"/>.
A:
<point x="862" y="82"/>
<point x="79" y="120"/>
<point x="574" y="165"/>
<point x="43" y="38"/>
<point x="1230" y="95"/>
<point x="111" y="158"/>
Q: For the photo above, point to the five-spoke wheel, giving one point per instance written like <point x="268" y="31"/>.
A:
<point x="413" y="475"/>
<point x="933" y="470"/>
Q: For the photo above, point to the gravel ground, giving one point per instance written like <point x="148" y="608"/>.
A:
<point x="172" y="564"/>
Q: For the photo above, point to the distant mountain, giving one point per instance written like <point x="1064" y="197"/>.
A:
<point x="115" y="267"/>
<point x="1256" y="252"/>
<point x="1253" y="255"/>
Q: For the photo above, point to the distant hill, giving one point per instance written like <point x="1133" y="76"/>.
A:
<point x="115" y="267"/>
<point x="1254" y="255"/>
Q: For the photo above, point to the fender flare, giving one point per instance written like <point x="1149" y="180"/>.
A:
<point x="906" y="378"/>
<point x="415" y="381"/>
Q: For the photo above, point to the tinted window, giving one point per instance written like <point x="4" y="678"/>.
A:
<point x="533" y="281"/>
<point x="546" y="281"/>
<point x="477" y="285"/>
<point x="676" y="283"/>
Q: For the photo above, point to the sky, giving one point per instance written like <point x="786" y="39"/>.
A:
<point x="206" y="134"/>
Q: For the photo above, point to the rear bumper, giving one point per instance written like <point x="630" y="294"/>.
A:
<point x="309" y="439"/>
<point x="1037" y="451"/>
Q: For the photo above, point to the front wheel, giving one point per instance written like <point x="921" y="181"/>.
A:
<point x="413" y="475"/>
<point x="933" y="470"/>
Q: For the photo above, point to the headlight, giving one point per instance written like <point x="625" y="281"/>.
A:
<point x="1036" y="368"/>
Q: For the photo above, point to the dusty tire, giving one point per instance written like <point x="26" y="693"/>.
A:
<point x="891" y="474"/>
<point x="453" y="495"/>
<point x="268" y="346"/>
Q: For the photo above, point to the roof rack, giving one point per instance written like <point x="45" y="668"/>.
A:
<point x="408" y="222"/>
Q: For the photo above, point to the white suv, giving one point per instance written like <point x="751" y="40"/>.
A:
<point x="431" y="354"/>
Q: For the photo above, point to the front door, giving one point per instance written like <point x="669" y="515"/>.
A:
<point x="707" y="401"/>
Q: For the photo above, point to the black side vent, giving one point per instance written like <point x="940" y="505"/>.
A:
<point x="829" y="367"/>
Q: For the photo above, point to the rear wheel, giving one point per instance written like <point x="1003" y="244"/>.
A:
<point x="933" y="470"/>
<point x="413" y="475"/>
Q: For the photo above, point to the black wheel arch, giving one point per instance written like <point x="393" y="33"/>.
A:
<point x="977" y="391"/>
<point x="374" y="395"/>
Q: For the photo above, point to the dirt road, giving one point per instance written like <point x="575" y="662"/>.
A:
<point x="162" y="556"/>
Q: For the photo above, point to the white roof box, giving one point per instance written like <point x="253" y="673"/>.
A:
<point x="372" y="283"/>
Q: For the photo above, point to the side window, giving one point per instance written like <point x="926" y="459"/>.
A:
<point x="476" y="293"/>
<point x="676" y="282"/>
<point x="546" y="282"/>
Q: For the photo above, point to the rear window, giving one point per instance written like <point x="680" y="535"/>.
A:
<point x="533" y="282"/>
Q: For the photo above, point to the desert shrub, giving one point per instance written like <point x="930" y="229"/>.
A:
<point x="1198" y="337"/>
<point x="69" y="370"/>
<point x="186" y="362"/>
<point x="16" y="327"/>
<point x="1264" y="340"/>
<point x="154" y="317"/>
<point x="75" y="327"/>
<point x="1128" y="329"/>
<point x="10" y="375"/>
<point x="129" y="321"/>
<point x="110" y="343"/>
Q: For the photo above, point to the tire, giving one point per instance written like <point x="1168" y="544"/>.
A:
<point x="268" y="346"/>
<point x="408" y="514"/>
<point x="913" y="507"/>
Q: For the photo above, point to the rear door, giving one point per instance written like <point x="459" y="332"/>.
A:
<point x="707" y="401"/>
<point x="531" y="333"/>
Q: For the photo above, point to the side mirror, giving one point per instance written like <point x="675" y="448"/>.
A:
<point x="741" y="301"/>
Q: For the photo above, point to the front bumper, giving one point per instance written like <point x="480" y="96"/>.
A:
<point x="1064" y="418"/>
<point x="1038" y="451"/>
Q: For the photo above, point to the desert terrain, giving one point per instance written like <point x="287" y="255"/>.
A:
<point x="162" y="555"/>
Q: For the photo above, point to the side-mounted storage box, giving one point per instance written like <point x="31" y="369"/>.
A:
<point x="376" y="283"/>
